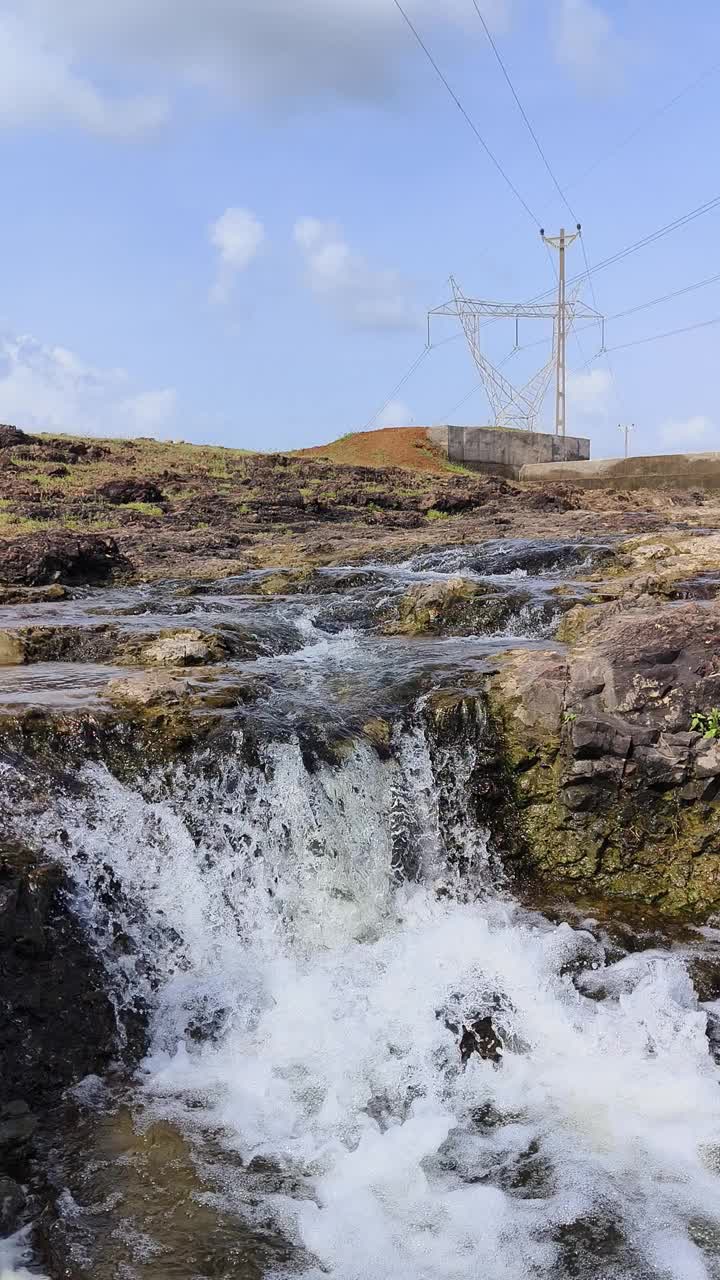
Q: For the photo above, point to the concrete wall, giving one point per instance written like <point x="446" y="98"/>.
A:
<point x="662" y="471"/>
<point x="503" y="452"/>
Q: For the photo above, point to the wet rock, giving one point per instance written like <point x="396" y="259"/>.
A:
<point x="480" y="1037"/>
<point x="130" y="489"/>
<point x="58" y="644"/>
<point x="17" y="1127"/>
<point x="12" y="652"/>
<point x="32" y="595"/>
<point x="284" y="582"/>
<point x="185" y="648"/>
<point x="379" y="733"/>
<point x="454" y="606"/>
<point x="617" y="794"/>
<point x="705" y="973"/>
<point x="57" y="1022"/>
<point x="37" y="559"/>
<point x="12" y="1203"/>
<point x="147" y="690"/>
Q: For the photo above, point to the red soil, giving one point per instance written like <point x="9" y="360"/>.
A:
<point x="387" y="447"/>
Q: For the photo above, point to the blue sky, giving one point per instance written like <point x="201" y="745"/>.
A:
<point x="225" y="221"/>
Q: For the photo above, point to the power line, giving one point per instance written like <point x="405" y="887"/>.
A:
<point x="650" y="119"/>
<point x="415" y="365"/>
<point x="522" y="110"/>
<point x="670" y="333"/>
<point x="649" y="239"/>
<point x="667" y="297"/>
<point x="455" y="337"/>
<point x="465" y="115"/>
<point x="591" y="282"/>
<point x="460" y="403"/>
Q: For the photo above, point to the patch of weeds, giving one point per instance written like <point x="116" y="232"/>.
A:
<point x="458" y="469"/>
<point x="707" y="723"/>
<point x="143" y="508"/>
<point x="434" y="514"/>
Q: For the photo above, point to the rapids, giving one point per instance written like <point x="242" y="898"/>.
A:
<point x="311" y="942"/>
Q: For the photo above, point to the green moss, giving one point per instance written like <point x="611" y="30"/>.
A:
<point x="434" y="514"/>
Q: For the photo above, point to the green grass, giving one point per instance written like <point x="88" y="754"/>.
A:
<point x="434" y="514"/>
<point x="143" y="508"/>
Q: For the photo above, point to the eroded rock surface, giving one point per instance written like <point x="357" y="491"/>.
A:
<point x="618" y="793"/>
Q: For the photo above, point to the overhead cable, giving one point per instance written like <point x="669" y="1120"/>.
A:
<point x="468" y="119"/>
<point x="522" y="111"/>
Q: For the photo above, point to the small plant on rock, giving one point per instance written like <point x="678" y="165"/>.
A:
<point x="707" y="723"/>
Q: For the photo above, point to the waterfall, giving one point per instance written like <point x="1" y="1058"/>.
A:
<point x="315" y="946"/>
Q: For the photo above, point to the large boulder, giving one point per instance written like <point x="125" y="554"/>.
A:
<point x="617" y="785"/>
<point x="37" y="559"/>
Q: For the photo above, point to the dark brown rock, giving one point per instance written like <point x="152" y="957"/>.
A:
<point x="131" y="489"/>
<point x="11" y="436"/>
<point x="37" y="559"/>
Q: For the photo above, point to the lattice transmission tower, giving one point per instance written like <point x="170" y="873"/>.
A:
<point x="514" y="406"/>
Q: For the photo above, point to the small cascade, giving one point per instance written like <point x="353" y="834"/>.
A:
<point x="381" y="1056"/>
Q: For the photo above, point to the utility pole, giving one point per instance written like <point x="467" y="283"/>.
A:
<point x="561" y="243"/>
<point x="626" y="429"/>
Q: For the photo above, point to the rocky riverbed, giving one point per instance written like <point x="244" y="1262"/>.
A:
<point x="359" y="884"/>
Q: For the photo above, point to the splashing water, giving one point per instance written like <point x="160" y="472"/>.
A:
<point x="312" y="953"/>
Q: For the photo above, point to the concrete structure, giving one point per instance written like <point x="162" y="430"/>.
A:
<point x="501" y="451"/>
<point x="661" y="471"/>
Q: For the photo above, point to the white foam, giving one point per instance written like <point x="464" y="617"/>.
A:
<point x="14" y="1251"/>
<point x="267" y="903"/>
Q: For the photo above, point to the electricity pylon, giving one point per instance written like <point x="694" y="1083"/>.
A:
<point x="512" y="406"/>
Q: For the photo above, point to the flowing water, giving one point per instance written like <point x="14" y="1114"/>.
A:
<point x="367" y="1060"/>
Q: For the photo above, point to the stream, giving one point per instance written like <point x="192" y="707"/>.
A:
<point x="369" y="1056"/>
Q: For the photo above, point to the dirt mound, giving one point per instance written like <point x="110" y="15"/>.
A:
<point x="386" y="447"/>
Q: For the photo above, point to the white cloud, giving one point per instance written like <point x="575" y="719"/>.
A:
<point x="39" y="86"/>
<point x="588" y="395"/>
<point x="364" y="296"/>
<point x="250" y="50"/>
<point x="587" y="45"/>
<point x="46" y="388"/>
<point x="696" y="433"/>
<point x="395" y="414"/>
<point x="237" y="235"/>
